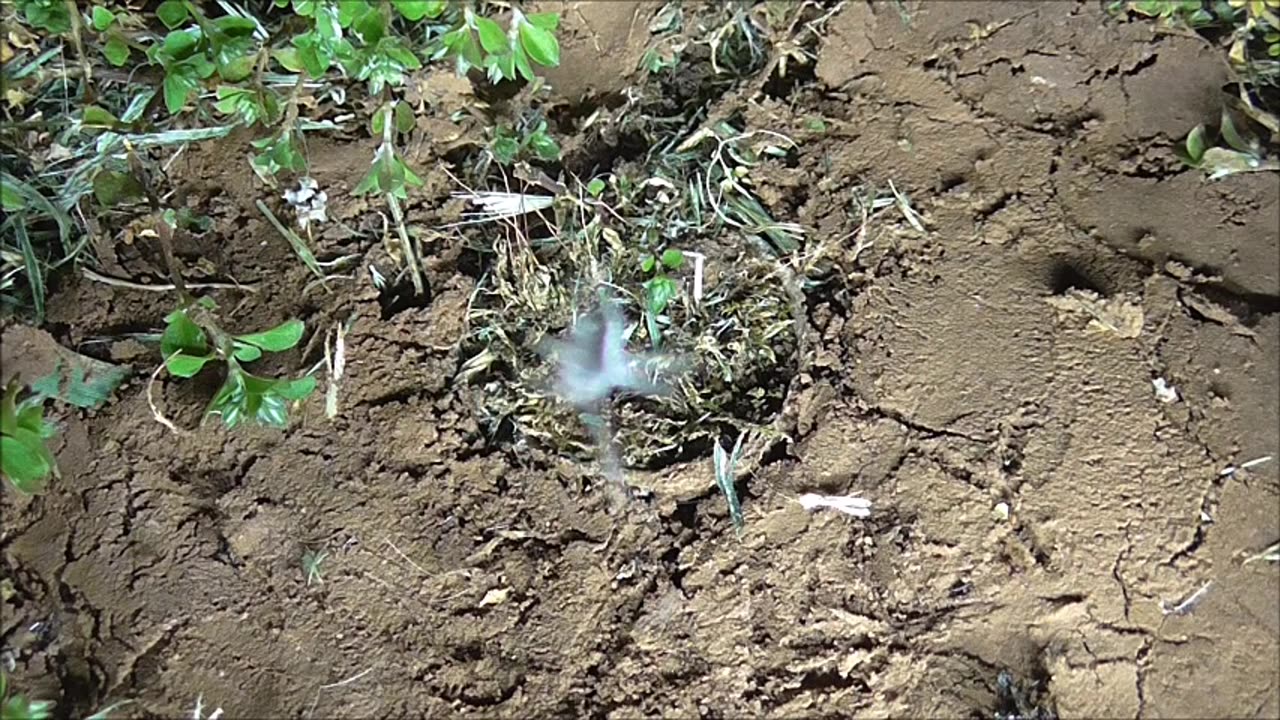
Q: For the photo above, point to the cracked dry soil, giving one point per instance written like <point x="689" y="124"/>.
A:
<point x="467" y="578"/>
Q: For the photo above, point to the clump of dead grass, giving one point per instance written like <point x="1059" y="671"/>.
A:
<point x="735" y="347"/>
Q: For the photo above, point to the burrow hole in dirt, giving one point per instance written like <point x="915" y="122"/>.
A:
<point x="1066" y="275"/>
<point x="395" y="298"/>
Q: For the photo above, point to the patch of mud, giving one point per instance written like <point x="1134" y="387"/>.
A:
<point x="1039" y="510"/>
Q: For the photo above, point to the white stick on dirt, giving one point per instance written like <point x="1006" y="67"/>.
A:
<point x="847" y="504"/>
<point x="698" y="260"/>
<point x="155" y="411"/>
<point x="1232" y="469"/>
<point x="1187" y="605"/>
<point x="337" y="363"/>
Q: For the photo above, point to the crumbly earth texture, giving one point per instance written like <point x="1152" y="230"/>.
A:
<point x="987" y="382"/>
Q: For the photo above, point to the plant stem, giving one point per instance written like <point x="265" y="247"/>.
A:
<point x="74" y="12"/>
<point x="410" y="254"/>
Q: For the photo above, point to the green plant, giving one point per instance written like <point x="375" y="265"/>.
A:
<point x="191" y="340"/>
<point x="481" y="42"/>
<point x="1260" y="19"/>
<point x="509" y="145"/>
<point x="725" y="465"/>
<point x="659" y="290"/>
<point x="190" y="56"/>
<point x="48" y="15"/>
<point x="311" y="561"/>
<point x="24" y="458"/>
<point x="383" y="58"/>
<point x="1243" y="152"/>
<point x="18" y="707"/>
<point x="281" y="152"/>
<point x="115" y="47"/>
<point x="390" y="175"/>
<point x="1191" y="12"/>
<point x="249" y="105"/>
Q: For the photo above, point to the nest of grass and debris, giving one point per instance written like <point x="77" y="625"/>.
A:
<point x="726" y="357"/>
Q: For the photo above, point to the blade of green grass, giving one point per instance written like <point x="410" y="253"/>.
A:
<point x="299" y="245"/>
<point x="35" y="274"/>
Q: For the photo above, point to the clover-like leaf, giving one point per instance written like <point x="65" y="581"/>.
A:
<point x="297" y="389"/>
<point x="184" y="365"/>
<point x="1195" y="143"/>
<point x="540" y="44"/>
<point x="492" y="38"/>
<point x="181" y="334"/>
<point x="246" y="353"/>
<point x="547" y="21"/>
<point x="172" y="13"/>
<point x="672" y="258"/>
<point x="22" y="462"/>
<point x="279" y="338"/>
<point x="102" y="18"/>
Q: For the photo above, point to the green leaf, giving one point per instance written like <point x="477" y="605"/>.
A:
<point x="11" y="199"/>
<point x="661" y="291"/>
<point x="234" y="26"/>
<point x="25" y="461"/>
<point x="179" y="44"/>
<point x="111" y="188"/>
<point x="49" y="15"/>
<point x="1196" y="143"/>
<point x="116" y="51"/>
<point x="492" y="38"/>
<point x="183" y="365"/>
<point x="405" y="120"/>
<point x="540" y="44"/>
<point x="102" y="18"/>
<point x="277" y="339"/>
<point x="246" y="353"/>
<point x="80" y="380"/>
<point x="1231" y="135"/>
<point x="172" y="13"/>
<point x="522" y="63"/>
<point x="412" y="10"/>
<point x="30" y="417"/>
<point x="371" y="26"/>
<point x="97" y="117"/>
<point x="19" y="707"/>
<point x="350" y="10"/>
<point x="595" y="187"/>
<point x="176" y="90"/>
<point x="288" y="58"/>
<point x="505" y="149"/>
<point x="547" y="21"/>
<point x="647" y="263"/>
<point x="544" y="146"/>
<point x="672" y="258"/>
<point x="296" y="389"/>
<point x="236" y="69"/>
<point x="182" y="334"/>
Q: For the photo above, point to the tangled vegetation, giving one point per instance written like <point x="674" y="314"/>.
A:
<point x="1249" y="32"/>
<point x="195" y="76"/>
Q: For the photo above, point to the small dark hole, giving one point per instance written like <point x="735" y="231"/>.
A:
<point x="1065" y="276"/>
<point x="397" y="298"/>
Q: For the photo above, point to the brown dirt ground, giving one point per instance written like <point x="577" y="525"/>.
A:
<point x="468" y="579"/>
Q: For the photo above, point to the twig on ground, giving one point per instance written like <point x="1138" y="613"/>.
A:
<point x="164" y="287"/>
